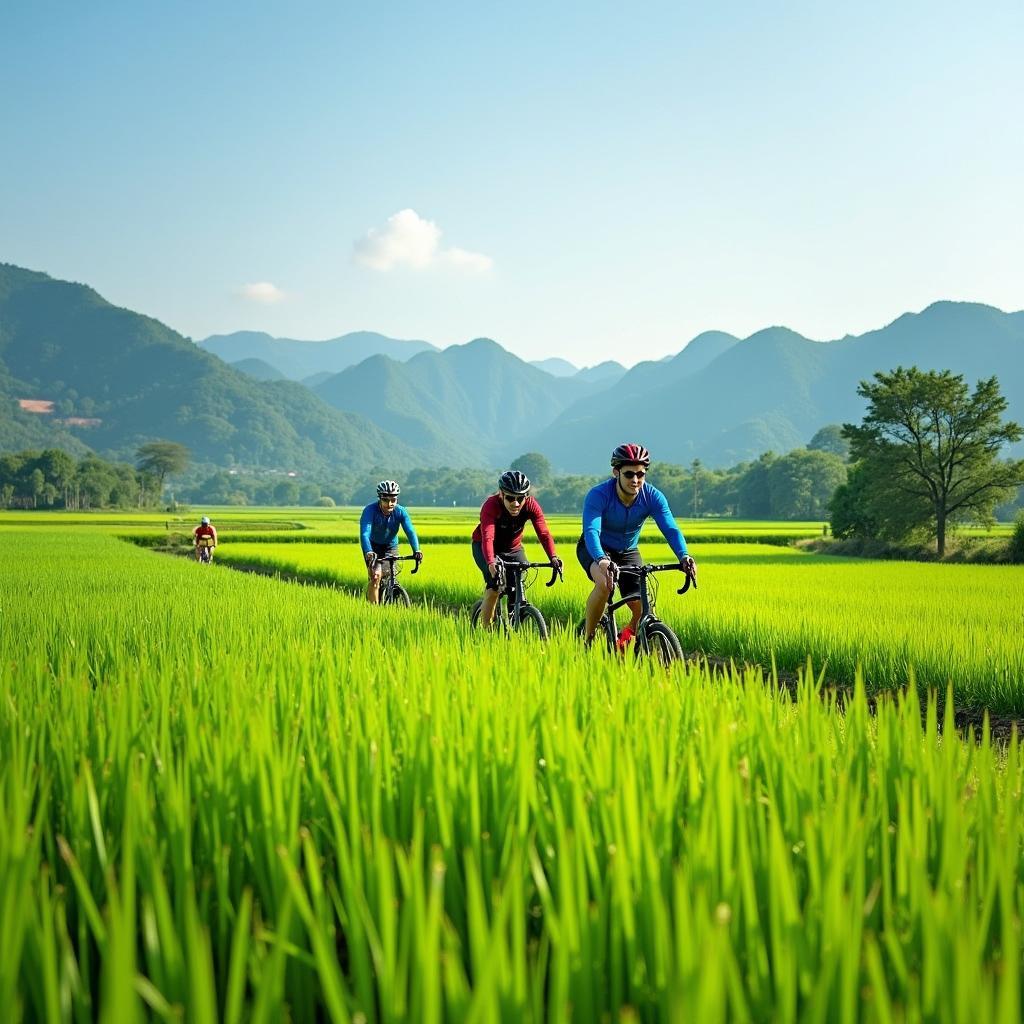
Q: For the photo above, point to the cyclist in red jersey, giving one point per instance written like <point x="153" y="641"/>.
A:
<point x="204" y="530"/>
<point x="499" y="534"/>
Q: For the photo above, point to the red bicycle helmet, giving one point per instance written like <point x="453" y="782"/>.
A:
<point x="627" y="454"/>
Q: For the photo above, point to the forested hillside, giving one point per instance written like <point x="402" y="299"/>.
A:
<point x="116" y="378"/>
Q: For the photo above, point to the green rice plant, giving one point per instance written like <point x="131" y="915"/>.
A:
<point x="953" y="625"/>
<point x="223" y="797"/>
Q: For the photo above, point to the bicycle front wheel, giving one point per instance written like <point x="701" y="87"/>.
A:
<point x="601" y="633"/>
<point x="532" y="621"/>
<point x="656" y="640"/>
<point x="500" y="616"/>
<point x="398" y="595"/>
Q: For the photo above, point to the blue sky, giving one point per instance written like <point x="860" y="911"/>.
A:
<point x="587" y="180"/>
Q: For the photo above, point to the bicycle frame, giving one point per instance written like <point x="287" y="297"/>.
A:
<point x="510" y="584"/>
<point x="388" y="578"/>
<point x="647" y="607"/>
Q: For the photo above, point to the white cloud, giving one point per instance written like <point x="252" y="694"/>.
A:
<point x="408" y="240"/>
<point x="262" y="291"/>
<point x="474" y="262"/>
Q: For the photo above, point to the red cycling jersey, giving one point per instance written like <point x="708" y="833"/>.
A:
<point x="500" y="531"/>
<point x="205" y="531"/>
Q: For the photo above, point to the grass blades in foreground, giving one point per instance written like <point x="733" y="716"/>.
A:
<point x="226" y="798"/>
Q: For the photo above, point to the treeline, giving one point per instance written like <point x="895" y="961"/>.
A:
<point x="55" y="479"/>
<point x="795" y="486"/>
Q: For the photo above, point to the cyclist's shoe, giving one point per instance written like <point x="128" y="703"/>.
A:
<point x="625" y="638"/>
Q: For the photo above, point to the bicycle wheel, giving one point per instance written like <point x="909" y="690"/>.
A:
<point x="599" y="632"/>
<point x="656" y="640"/>
<point x="532" y="621"/>
<point x="500" y="616"/>
<point x="398" y="595"/>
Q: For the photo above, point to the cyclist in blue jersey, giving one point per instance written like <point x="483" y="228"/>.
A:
<point x="378" y="534"/>
<point x="613" y="513"/>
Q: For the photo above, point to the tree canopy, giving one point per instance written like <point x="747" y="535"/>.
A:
<point x="930" y="450"/>
<point x="162" y="459"/>
<point x="535" y="466"/>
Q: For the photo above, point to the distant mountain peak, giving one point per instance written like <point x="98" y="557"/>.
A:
<point x="556" y="366"/>
<point x="481" y="344"/>
<point x="774" y="333"/>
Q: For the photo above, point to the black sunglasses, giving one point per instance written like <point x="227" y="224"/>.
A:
<point x="514" y="497"/>
<point x="630" y="473"/>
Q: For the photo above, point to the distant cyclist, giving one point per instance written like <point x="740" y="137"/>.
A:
<point x="378" y="534"/>
<point x="204" y="536"/>
<point x="499" y="534"/>
<point x="613" y="513"/>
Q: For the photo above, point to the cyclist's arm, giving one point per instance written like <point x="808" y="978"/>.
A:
<point x="488" y="521"/>
<point x="540" y="524"/>
<point x="365" y="524"/>
<point x="214" y="528"/>
<point x="666" y="523"/>
<point x="593" y="508"/>
<point x="410" y="533"/>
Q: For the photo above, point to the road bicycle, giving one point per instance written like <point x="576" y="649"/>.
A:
<point x="514" y="611"/>
<point x="653" y="637"/>
<point x="390" y="591"/>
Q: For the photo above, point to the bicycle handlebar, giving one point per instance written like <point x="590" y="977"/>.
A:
<point x="646" y="570"/>
<point x="399" y="558"/>
<point x="504" y="565"/>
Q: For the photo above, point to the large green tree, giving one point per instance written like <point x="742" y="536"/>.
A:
<point x="830" y="439"/>
<point x="535" y="466"/>
<point x="162" y="459"/>
<point x="802" y="482"/>
<point x="927" y="442"/>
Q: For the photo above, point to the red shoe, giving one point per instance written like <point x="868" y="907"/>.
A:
<point x="625" y="639"/>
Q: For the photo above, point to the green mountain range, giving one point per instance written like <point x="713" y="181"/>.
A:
<point x="115" y="379"/>
<point x="296" y="360"/>
<point x="258" y="369"/>
<point x="774" y="389"/>
<point x="477" y="403"/>
<point x="77" y="372"/>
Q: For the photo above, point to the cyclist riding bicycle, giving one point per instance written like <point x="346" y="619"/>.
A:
<point x="613" y="513"/>
<point x="499" y="534"/>
<point x="378" y="534"/>
<point x="204" y="536"/>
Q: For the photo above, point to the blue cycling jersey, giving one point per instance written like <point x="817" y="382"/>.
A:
<point x="377" y="528"/>
<point x="607" y="523"/>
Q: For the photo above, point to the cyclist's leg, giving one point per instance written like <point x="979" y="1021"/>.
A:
<point x="629" y="585"/>
<point x="598" y="599"/>
<point x="373" y="575"/>
<point x="491" y="595"/>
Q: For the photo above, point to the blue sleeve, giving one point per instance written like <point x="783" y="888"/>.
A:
<point x="666" y="523"/>
<point x="409" y="531"/>
<point x="365" y="522"/>
<point x="593" y="507"/>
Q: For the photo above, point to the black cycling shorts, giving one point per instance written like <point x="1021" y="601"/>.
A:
<point x="629" y="582"/>
<point x="515" y="555"/>
<point x="380" y="550"/>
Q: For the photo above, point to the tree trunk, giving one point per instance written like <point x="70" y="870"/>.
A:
<point x="940" y="534"/>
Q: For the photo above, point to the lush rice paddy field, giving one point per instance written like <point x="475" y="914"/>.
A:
<point x="948" y="624"/>
<point x="227" y="797"/>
